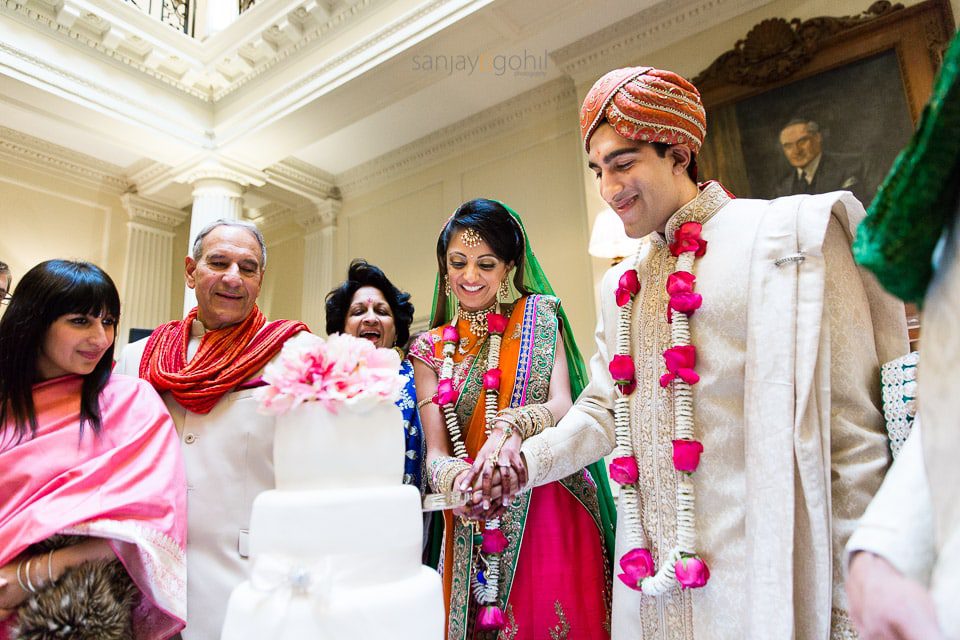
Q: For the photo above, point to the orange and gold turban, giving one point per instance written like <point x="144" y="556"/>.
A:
<point x="645" y="104"/>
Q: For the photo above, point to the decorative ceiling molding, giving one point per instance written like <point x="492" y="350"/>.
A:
<point x="319" y="216"/>
<point x="554" y="97"/>
<point x="270" y="217"/>
<point x="152" y="213"/>
<point x="77" y="167"/>
<point x="201" y="70"/>
<point x="302" y="179"/>
<point x="650" y="30"/>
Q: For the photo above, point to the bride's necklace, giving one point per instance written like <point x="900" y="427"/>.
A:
<point x="477" y="320"/>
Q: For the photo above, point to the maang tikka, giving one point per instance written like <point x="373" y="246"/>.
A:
<point x="470" y="238"/>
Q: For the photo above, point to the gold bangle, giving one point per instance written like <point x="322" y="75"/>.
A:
<point x="422" y="403"/>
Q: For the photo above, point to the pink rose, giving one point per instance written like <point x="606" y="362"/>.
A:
<point x="490" y="618"/>
<point x="493" y="541"/>
<point x="637" y="564"/>
<point x="681" y="282"/>
<point x="680" y="361"/>
<point x="446" y="392"/>
<point x="496" y="323"/>
<point x="622" y="370"/>
<point x="623" y="374"/>
<point x="686" y="455"/>
<point x="623" y="470"/>
<point x="687" y="238"/>
<point x="691" y="572"/>
<point x="627" y="287"/>
<point x="491" y="379"/>
<point x="684" y="303"/>
<point x="450" y="334"/>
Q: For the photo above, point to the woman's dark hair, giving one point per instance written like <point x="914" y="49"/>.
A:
<point x="363" y="274"/>
<point x="498" y="229"/>
<point x="49" y="290"/>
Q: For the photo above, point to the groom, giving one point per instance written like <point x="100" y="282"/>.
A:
<point x="736" y="382"/>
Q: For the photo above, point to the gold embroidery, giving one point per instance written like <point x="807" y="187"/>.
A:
<point x="670" y="615"/>
<point x="561" y="631"/>
<point x="510" y="631"/>
<point x="840" y="626"/>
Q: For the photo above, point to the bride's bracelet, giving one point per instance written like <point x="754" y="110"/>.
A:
<point x="529" y="420"/>
<point x="444" y="470"/>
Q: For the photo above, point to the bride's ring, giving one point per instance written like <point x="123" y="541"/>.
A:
<point x="494" y="459"/>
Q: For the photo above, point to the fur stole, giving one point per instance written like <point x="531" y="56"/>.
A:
<point x="91" y="601"/>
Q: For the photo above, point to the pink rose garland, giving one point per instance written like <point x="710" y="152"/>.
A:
<point x="683" y="565"/>
<point x="485" y="583"/>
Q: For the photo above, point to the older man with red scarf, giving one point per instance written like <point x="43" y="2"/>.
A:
<point x="206" y="367"/>
<point x="736" y="382"/>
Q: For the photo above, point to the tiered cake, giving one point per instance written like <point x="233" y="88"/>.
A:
<point x="335" y="548"/>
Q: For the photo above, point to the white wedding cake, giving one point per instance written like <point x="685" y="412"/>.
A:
<point x="335" y="548"/>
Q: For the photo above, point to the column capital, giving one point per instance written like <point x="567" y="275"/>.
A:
<point x="220" y="170"/>
<point x="319" y="215"/>
<point x="152" y="213"/>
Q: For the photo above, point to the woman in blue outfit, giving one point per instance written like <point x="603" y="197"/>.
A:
<point x="367" y="305"/>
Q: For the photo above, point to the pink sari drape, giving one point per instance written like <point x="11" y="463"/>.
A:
<point x="126" y="485"/>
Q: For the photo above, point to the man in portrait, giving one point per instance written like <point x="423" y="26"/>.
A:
<point x="814" y="170"/>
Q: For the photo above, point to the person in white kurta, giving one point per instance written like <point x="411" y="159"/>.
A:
<point x="789" y="341"/>
<point x="227" y="451"/>
<point x="904" y="567"/>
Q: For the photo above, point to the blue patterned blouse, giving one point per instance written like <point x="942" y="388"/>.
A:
<point x="413" y="432"/>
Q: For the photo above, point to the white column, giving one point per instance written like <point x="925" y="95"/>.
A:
<point x="320" y="224"/>
<point x="213" y="199"/>
<point x="148" y="267"/>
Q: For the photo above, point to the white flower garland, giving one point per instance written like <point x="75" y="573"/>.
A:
<point x="665" y="578"/>
<point x="485" y="583"/>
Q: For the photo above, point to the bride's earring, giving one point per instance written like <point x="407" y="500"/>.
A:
<point x="446" y="285"/>
<point x="503" y="293"/>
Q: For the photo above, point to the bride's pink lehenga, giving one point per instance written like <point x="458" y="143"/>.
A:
<point x="555" y="577"/>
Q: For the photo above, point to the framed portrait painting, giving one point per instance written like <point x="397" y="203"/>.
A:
<point x="844" y="91"/>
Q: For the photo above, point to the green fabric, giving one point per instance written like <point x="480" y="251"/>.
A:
<point x="536" y="281"/>
<point x="918" y="198"/>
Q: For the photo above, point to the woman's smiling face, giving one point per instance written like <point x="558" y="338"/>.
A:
<point x="475" y="272"/>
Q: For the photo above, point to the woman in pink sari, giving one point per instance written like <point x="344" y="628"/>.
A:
<point x="92" y="489"/>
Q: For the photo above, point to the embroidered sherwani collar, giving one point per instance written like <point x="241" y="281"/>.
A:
<point x="711" y="199"/>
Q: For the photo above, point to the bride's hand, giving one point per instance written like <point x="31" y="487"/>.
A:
<point x="508" y="465"/>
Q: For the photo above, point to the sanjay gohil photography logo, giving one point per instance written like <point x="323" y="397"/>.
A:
<point x="523" y="63"/>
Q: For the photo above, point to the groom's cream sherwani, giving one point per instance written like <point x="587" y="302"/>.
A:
<point x="787" y="408"/>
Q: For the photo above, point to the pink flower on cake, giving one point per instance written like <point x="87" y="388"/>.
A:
<point x="623" y="470"/>
<point x="692" y="572"/>
<point x="637" y="565"/>
<point x="627" y="287"/>
<point x="340" y="369"/>
<point x="446" y="392"/>
<point x="687" y="238"/>
<point x="686" y="455"/>
<point x="490" y="618"/>
<point x="496" y="323"/>
<point x="491" y="379"/>
<point x="493" y="541"/>
<point x="680" y="361"/>
<point x="450" y="334"/>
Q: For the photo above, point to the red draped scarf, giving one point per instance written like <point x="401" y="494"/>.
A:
<point x="226" y="357"/>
